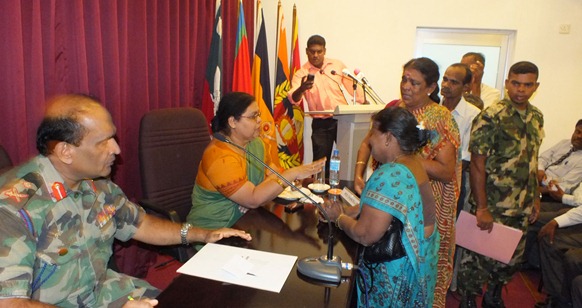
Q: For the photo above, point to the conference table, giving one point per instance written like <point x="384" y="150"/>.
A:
<point x="275" y="230"/>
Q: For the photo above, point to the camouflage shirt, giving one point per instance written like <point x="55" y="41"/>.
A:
<point x="511" y="142"/>
<point x="56" y="243"/>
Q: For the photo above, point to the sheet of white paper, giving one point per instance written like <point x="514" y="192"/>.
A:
<point x="500" y="244"/>
<point x="239" y="266"/>
<point x="262" y="270"/>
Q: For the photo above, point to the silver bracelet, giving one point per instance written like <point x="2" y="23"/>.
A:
<point x="184" y="233"/>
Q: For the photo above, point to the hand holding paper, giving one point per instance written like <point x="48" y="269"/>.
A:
<point x="484" y="219"/>
<point x="499" y="243"/>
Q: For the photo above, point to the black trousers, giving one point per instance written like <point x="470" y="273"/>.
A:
<point x="323" y="135"/>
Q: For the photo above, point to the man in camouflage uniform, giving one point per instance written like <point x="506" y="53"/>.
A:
<point x="505" y="141"/>
<point x="60" y="214"/>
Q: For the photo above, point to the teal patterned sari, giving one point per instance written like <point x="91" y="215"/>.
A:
<point x="408" y="281"/>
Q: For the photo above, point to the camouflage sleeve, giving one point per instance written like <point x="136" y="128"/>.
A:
<point x="128" y="215"/>
<point x="17" y="254"/>
<point x="482" y="136"/>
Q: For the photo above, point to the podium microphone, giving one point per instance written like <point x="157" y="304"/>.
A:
<point x="367" y="87"/>
<point x="339" y="85"/>
<point x="347" y="73"/>
<point x="326" y="268"/>
<point x="361" y="76"/>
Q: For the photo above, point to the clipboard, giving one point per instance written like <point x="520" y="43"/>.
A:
<point x="500" y="244"/>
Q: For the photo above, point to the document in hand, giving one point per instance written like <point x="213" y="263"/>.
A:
<point x="500" y="244"/>
<point x="240" y="266"/>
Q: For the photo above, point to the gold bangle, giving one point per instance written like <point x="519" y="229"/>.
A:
<point x="360" y="162"/>
<point x="283" y="185"/>
<point x="337" y="221"/>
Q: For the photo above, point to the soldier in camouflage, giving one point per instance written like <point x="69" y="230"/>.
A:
<point x="60" y="214"/>
<point x="505" y="140"/>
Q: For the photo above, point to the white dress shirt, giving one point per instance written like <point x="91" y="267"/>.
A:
<point x="569" y="172"/>
<point x="489" y="95"/>
<point x="464" y="113"/>
<point x="573" y="216"/>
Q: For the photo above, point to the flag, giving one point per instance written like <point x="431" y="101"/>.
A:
<point x="262" y="87"/>
<point x="295" y="65"/>
<point x="213" y="82"/>
<point x="241" y="77"/>
<point x="283" y="111"/>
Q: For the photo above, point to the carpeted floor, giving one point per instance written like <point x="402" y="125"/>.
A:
<point x="522" y="291"/>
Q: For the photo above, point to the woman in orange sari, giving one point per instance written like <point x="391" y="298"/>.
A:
<point x="419" y="95"/>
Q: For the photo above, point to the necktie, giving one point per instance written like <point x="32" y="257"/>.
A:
<point x="561" y="159"/>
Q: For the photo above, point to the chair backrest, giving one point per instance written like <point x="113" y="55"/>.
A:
<point x="171" y="144"/>
<point x="5" y="162"/>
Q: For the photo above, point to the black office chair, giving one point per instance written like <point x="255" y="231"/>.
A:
<point x="5" y="162"/>
<point x="171" y="144"/>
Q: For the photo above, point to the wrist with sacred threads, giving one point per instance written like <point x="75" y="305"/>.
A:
<point x="482" y="209"/>
<point x="184" y="233"/>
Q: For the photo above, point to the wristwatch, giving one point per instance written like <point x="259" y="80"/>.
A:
<point x="184" y="233"/>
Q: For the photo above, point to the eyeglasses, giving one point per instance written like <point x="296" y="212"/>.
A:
<point x="253" y="117"/>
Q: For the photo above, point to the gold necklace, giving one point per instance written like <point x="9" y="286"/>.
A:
<point x="397" y="157"/>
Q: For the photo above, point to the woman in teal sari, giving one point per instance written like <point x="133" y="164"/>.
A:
<point x="230" y="182"/>
<point x="398" y="189"/>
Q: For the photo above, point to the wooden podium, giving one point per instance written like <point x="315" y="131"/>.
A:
<point x="353" y="125"/>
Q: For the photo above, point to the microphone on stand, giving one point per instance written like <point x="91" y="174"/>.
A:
<point x="347" y="73"/>
<point x="367" y="87"/>
<point x="356" y="81"/>
<point x="326" y="268"/>
<point x="361" y="76"/>
<point x="340" y="86"/>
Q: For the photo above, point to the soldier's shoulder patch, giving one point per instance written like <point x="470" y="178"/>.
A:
<point x="17" y="191"/>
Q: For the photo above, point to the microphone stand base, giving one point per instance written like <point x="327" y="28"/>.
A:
<point x="321" y="268"/>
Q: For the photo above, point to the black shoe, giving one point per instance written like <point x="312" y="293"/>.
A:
<point x="552" y="302"/>
<point x="468" y="302"/>
<point x="544" y="304"/>
<point x="492" y="298"/>
<point x="526" y="266"/>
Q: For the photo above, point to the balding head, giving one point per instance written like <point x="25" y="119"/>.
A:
<point x="62" y="120"/>
<point x="70" y="105"/>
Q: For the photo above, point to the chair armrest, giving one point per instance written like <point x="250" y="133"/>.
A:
<point x="153" y="207"/>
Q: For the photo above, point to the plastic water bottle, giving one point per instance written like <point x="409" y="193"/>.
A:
<point x="334" y="169"/>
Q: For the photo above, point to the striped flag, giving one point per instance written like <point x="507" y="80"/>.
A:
<point x="289" y="155"/>
<point x="241" y="79"/>
<point x="262" y="87"/>
<point x="213" y="82"/>
<point x="295" y="65"/>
